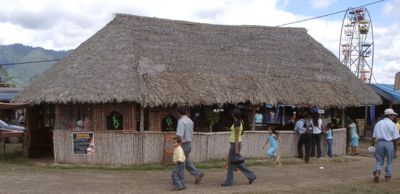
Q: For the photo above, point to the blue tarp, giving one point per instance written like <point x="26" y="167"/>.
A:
<point x="387" y="92"/>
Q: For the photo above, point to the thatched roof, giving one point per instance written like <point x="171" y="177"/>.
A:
<point x="156" y="62"/>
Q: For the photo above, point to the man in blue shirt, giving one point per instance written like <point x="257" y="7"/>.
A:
<point x="184" y="131"/>
<point x="385" y="134"/>
<point x="304" y="139"/>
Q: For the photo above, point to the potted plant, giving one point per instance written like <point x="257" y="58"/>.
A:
<point x="211" y="117"/>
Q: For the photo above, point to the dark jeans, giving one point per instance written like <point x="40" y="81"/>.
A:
<point x="316" y="141"/>
<point x="187" y="148"/>
<point x="242" y="167"/>
<point x="307" y="142"/>
<point x="300" y="144"/>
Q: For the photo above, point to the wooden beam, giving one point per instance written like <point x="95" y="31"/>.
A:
<point x="141" y="119"/>
<point x="283" y="115"/>
<point x="343" y="117"/>
<point x="365" y="120"/>
<point x="253" y="122"/>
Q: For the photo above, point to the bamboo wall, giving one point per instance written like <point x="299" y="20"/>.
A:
<point x="128" y="147"/>
<point x="68" y="114"/>
<point x="156" y="115"/>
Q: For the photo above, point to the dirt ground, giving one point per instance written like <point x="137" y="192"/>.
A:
<point x="346" y="174"/>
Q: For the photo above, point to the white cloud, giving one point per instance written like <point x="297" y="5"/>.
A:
<point x="65" y="24"/>
<point x="387" y="51"/>
<point x="386" y="73"/>
<point x="318" y="4"/>
<point x="391" y="8"/>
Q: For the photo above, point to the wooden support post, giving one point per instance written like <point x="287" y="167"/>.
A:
<point x="3" y="141"/>
<point x="365" y="120"/>
<point x="283" y="115"/>
<point x="141" y="119"/>
<point x="343" y="126"/>
<point x="343" y="117"/>
<point x="253" y="122"/>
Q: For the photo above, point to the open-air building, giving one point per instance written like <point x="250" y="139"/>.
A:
<point x="125" y="80"/>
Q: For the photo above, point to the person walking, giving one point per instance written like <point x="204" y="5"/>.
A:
<point x="385" y="134"/>
<point x="274" y="145"/>
<point x="178" y="179"/>
<point x="184" y="131"/>
<point x="235" y="145"/>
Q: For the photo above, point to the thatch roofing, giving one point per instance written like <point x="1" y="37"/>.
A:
<point x="157" y="62"/>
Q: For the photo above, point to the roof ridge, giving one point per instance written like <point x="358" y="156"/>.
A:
<point x="118" y="15"/>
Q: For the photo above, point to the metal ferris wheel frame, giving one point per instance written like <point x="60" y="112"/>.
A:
<point x="356" y="47"/>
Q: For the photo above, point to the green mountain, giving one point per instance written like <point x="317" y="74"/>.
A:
<point x="18" y="53"/>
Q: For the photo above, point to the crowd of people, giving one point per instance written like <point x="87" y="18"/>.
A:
<point x="309" y="128"/>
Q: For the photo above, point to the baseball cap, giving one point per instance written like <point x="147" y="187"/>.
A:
<point x="389" y="111"/>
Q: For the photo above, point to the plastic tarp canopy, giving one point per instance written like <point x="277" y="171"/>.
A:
<point x="387" y="92"/>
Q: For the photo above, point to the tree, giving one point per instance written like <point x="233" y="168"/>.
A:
<point x="5" y="78"/>
<point x="211" y="117"/>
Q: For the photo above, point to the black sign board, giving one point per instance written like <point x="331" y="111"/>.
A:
<point x="83" y="142"/>
<point x="115" y="121"/>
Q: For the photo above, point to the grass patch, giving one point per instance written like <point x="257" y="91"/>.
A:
<point x="213" y="164"/>
<point x="14" y="156"/>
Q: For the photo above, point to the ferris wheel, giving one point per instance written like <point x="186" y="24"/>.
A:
<point x="356" y="49"/>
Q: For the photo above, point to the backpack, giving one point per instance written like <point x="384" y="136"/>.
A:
<point x="308" y="127"/>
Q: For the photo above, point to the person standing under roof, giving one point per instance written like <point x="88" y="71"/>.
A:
<point x="385" y="134"/>
<point x="354" y="137"/>
<point x="316" y="137"/>
<point x="299" y="128"/>
<point x="258" y="117"/>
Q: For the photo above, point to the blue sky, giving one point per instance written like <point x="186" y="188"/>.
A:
<point x="60" y="24"/>
<point x="304" y="7"/>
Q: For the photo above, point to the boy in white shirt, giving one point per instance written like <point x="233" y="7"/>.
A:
<point x="178" y="158"/>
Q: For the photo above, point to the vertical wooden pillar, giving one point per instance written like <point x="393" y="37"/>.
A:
<point x="253" y="122"/>
<point x="283" y="115"/>
<point x="365" y="120"/>
<point x="343" y="117"/>
<point x="141" y="119"/>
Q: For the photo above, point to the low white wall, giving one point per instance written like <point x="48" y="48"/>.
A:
<point x="127" y="148"/>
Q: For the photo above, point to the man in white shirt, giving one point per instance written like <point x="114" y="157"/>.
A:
<point x="184" y="131"/>
<point x="385" y="134"/>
